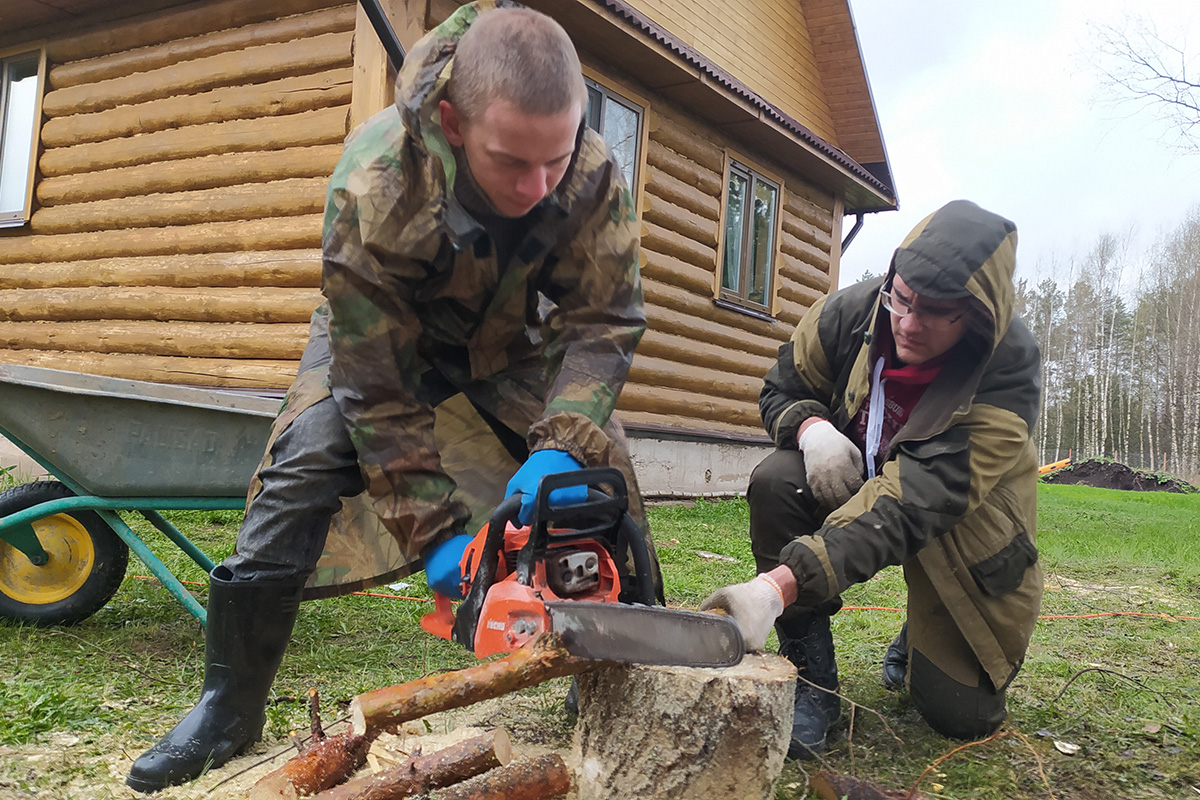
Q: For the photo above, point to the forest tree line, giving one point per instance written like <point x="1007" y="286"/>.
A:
<point x="1121" y="366"/>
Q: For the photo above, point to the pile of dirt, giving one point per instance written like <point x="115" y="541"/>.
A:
<point x="1111" y="475"/>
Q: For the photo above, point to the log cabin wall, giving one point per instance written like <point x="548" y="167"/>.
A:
<point x="763" y="43"/>
<point x="700" y="365"/>
<point x="182" y="177"/>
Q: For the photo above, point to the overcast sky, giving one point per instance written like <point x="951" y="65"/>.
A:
<point x="1001" y="103"/>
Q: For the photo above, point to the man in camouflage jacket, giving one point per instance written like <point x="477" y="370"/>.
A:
<point x="483" y="305"/>
<point x="950" y="478"/>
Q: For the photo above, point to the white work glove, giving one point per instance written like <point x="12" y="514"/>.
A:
<point x="832" y="464"/>
<point x="754" y="605"/>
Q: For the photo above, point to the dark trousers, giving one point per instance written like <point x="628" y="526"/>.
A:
<point x="955" y="697"/>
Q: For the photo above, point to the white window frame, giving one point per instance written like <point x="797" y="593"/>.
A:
<point x="21" y="163"/>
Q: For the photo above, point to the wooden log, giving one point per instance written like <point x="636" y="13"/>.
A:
<point x="285" y="96"/>
<point x="819" y="237"/>
<point x="278" y="233"/>
<point x="206" y="172"/>
<point x="799" y="293"/>
<point x="143" y="59"/>
<point x="683" y="140"/>
<point x="678" y="219"/>
<point x="646" y="418"/>
<point x="320" y="765"/>
<point x="322" y="126"/>
<point x="242" y="373"/>
<point x="252" y="65"/>
<point x="804" y="272"/>
<point x="809" y="204"/>
<point x="286" y="268"/>
<point x="686" y="377"/>
<point x="537" y="662"/>
<point x="186" y="339"/>
<point x="668" y="242"/>
<point x="706" y="331"/>
<point x="156" y="303"/>
<point x="684" y="349"/>
<point x="828" y="785"/>
<point x="174" y="24"/>
<point x="670" y="733"/>
<point x="679" y="167"/>
<point x="664" y="295"/>
<point x="683" y="194"/>
<point x="290" y="197"/>
<point x="816" y="259"/>
<point x="544" y="777"/>
<point x="419" y="774"/>
<point x="700" y="407"/>
<point x="668" y="269"/>
<point x="791" y="312"/>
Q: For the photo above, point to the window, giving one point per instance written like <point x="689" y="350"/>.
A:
<point x="20" y="79"/>
<point x="619" y="121"/>
<point x="751" y="210"/>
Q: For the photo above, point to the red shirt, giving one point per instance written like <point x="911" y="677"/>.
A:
<point x="902" y="387"/>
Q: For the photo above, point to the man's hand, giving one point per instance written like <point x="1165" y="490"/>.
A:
<point x="536" y="467"/>
<point x="832" y="463"/>
<point x="754" y="605"/>
<point x="443" y="570"/>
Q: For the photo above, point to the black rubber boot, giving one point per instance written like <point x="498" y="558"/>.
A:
<point x="809" y="645"/>
<point x="895" y="661"/>
<point x="249" y="625"/>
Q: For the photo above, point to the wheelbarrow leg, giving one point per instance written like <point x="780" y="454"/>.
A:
<point x="157" y="568"/>
<point x="181" y="541"/>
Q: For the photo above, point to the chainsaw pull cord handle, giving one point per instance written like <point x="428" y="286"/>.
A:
<point x="467" y="619"/>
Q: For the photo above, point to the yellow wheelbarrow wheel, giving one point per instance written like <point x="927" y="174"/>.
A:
<point x="87" y="561"/>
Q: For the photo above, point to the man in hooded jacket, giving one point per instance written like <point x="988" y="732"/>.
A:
<point x="901" y="409"/>
<point x="479" y="242"/>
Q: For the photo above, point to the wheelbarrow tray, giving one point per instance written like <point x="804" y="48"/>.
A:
<point x="125" y="438"/>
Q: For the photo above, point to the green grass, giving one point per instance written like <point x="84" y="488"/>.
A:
<point x="1120" y="687"/>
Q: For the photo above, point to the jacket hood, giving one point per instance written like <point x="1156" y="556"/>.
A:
<point x="962" y="250"/>
<point x="421" y="84"/>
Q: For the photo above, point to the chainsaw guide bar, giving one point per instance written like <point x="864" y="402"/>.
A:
<point x="637" y="634"/>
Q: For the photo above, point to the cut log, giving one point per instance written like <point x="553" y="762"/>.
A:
<point x="419" y="774"/>
<point x="541" y="778"/>
<point x="655" y="733"/>
<point x="321" y="765"/>
<point x="537" y="662"/>
<point x="832" y="786"/>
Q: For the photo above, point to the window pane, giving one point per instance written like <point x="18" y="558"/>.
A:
<point x="735" y="217"/>
<point x="16" y="138"/>
<point x="764" y="242"/>
<point x="621" y="134"/>
<point x="594" y="109"/>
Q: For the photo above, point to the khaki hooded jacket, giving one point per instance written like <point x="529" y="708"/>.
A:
<point x="954" y="496"/>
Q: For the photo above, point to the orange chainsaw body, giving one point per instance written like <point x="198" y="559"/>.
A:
<point x="514" y="612"/>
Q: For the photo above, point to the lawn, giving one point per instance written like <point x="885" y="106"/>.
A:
<point x="1110" y="677"/>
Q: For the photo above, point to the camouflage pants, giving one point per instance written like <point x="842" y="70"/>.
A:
<point x="307" y="511"/>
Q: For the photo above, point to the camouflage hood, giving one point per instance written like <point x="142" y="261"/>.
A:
<point x="959" y="251"/>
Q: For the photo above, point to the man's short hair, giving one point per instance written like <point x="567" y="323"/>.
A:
<point x="518" y="55"/>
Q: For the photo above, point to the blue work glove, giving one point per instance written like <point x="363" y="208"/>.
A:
<point x="443" y="571"/>
<point x="536" y="467"/>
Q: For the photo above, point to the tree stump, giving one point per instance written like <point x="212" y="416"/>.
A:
<point x="667" y="733"/>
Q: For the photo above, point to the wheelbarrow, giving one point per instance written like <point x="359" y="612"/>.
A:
<point x="113" y="445"/>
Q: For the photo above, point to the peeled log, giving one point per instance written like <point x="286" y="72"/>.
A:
<point x="541" y="778"/>
<point x="421" y="773"/>
<point x="537" y="662"/>
<point x="323" y="764"/>
<point x="659" y="733"/>
<point x="832" y="786"/>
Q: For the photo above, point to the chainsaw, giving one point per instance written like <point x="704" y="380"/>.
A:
<point x="566" y="572"/>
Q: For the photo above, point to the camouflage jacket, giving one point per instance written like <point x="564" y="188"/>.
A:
<point x="412" y="280"/>
<point x="955" y="494"/>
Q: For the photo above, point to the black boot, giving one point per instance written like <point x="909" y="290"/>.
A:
<point x="249" y="625"/>
<point x="809" y="645"/>
<point x="895" y="661"/>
